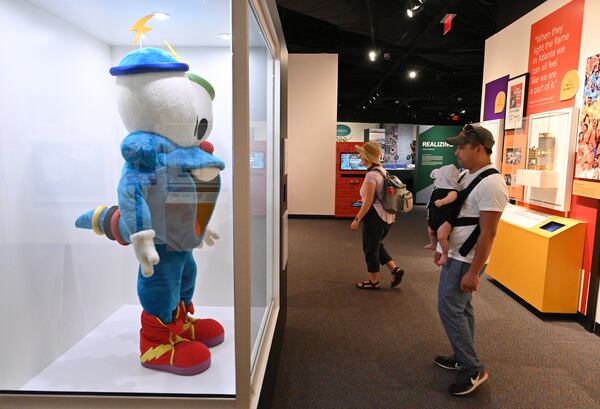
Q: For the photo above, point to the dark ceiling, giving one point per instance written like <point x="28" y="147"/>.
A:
<point x="449" y="67"/>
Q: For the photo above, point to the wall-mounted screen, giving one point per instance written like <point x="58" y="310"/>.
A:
<point x="552" y="226"/>
<point x="351" y="161"/>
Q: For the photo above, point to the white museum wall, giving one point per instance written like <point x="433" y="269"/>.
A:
<point x="57" y="114"/>
<point x="357" y="130"/>
<point x="507" y="52"/>
<point x="214" y="283"/>
<point x="312" y="119"/>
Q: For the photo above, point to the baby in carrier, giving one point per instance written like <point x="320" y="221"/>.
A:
<point x="443" y="208"/>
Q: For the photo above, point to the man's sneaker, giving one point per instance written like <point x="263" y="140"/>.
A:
<point x="467" y="382"/>
<point x="447" y="362"/>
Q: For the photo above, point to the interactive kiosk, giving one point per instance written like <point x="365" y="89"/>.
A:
<point x="349" y="176"/>
<point x="538" y="257"/>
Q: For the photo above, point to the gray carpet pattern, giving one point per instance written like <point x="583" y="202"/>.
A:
<point x="349" y="348"/>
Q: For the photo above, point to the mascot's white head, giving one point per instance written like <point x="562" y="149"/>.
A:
<point x="204" y="93"/>
<point x="155" y="95"/>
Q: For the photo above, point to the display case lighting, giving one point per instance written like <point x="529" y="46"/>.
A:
<point x="159" y="15"/>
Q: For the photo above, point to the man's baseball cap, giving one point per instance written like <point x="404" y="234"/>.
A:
<point x="477" y="135"/>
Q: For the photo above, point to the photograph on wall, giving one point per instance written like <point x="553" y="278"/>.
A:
<point x="397" y="146"/>
<point x="494" y="103"/>
<point x="588" y="139"/>
<point x="513" y="156"/>
<point x="517" y="101"/>
<point x="515" y="145"/>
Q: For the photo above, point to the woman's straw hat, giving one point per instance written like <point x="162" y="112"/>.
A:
<point x="371" y="151"/>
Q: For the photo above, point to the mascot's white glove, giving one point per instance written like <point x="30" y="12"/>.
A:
<point x="143" y="244"/>
<point x="210" y="236"/>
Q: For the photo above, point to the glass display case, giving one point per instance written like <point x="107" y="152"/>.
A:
<point x="548" y="172"/>
<point x="136" y="259"/>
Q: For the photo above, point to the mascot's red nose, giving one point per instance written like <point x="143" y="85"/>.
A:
<point x="207" y="147"/>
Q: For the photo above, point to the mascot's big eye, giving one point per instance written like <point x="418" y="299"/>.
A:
<point x="201" y="128"/>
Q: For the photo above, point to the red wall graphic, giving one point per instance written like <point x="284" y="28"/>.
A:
<point x="553" y="51"/>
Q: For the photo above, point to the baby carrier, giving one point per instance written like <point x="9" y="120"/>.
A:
<point x="470" y="221"/>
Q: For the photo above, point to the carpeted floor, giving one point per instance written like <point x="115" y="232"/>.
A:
<point x="349" y="348"/>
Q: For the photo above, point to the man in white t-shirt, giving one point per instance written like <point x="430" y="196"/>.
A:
<point x="468" y="254"/>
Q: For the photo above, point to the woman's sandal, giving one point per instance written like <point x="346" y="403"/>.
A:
<point x="368" y="285"/>
<point x="398" y="273"/>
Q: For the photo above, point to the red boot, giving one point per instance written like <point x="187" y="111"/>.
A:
<point x="206" y="330"/>
<point x="162" y="347"/>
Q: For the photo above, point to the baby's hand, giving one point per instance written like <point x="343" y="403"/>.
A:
<point x="438" y="203"/>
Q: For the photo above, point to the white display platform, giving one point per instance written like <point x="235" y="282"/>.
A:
<point x="523" y="217"/>
<point x="537" y="178"/>
<point x="107" y="360"/>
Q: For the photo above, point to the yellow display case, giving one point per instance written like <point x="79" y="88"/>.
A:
<point x="539" y="257"/>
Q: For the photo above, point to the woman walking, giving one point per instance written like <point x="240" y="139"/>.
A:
<point x="376" y="221"/>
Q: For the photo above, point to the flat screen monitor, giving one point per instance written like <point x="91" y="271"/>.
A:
<point x="351" y="161"/>
<point x="257" y="160"/>
<point x="552" y="226"/>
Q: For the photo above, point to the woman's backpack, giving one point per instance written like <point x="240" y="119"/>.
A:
<point x="397" y="199"/>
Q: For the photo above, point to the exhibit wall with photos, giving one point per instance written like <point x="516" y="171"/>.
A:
<point x="514" y="157"/>
<point x="588" y="137"/>
<point x="562" y="60"/>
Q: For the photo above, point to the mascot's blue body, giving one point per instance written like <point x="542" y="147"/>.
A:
<point x="167" y="193"/>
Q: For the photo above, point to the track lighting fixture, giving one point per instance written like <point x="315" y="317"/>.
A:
<point x="414" y="7"/>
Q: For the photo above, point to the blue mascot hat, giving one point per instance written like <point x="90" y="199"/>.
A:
<point x="148" y="59"/>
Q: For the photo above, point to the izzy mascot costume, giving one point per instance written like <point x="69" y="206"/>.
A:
<point x="167" y="192"/>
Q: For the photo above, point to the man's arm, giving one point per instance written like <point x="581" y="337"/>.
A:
<point x="488" y="222"/>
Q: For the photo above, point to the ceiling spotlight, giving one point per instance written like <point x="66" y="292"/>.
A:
<point x="412" y="13"/>
<point x="463" y="111"/>
<point x="159" y="15"/>
<point x="412" y="74"/>
<point x="414" y="7"/>
<point x="373" y="55"/>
